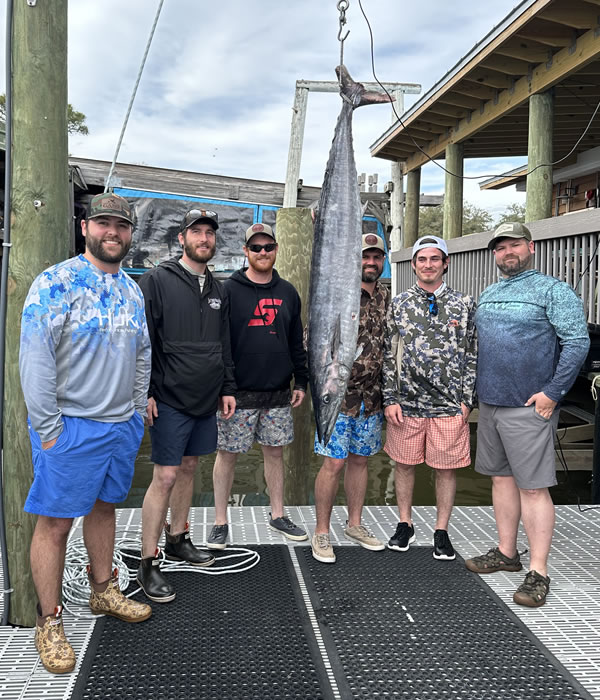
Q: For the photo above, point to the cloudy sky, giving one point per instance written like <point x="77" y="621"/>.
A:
<point x="218" y="86"/>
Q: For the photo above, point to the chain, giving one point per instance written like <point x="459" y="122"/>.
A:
<point x="342" y="6"/>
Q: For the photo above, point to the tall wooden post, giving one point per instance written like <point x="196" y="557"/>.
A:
<point x="290" y="193"/>
<point x="397" y="194"/>
<point x="411" y="208"/>
<point x="453" y="195"/>
<point x="294" y="231"/>
<point x="538" y="204"/>
<point x="40" y="237"/>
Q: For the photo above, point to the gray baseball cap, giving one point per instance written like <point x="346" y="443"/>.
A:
<point x="511" y="229"/>
<point x="430" y="242"/>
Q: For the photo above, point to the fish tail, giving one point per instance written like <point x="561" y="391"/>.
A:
<point x="356" y="93"/>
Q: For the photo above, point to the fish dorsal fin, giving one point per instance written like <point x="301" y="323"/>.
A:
<point x="336" y="338"/>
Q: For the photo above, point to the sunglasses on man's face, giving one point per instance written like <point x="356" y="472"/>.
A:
<point x="257" y="247"/>
<point x="433" y="307"/>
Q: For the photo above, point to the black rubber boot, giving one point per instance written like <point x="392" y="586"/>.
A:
<point x="180" y="548"/>
<point x="153" y="583"/>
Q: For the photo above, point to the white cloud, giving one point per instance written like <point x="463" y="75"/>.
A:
<point x="217" y="91"/>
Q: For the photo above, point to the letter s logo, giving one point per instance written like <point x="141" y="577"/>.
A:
<point x="265" y="312"/>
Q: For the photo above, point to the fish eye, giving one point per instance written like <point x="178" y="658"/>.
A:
<point x="325" y="399"/>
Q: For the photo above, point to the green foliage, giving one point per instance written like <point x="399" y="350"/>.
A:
<point x="75" y="120"/>
<point x="513" y="212"/>
<point x="475" y="220"/>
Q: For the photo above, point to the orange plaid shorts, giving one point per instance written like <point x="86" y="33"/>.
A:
<point x="442" y="443"/>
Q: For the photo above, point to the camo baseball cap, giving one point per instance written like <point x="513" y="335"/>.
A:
<point x="511" y="229"/>
<point x="371" y="240"/>
<point x="110" y="204"/>
<point x="204" y="216"/>
<point x="259" y="228"/>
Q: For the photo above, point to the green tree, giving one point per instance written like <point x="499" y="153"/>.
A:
<point x="513" y="212"/>
<point x="475" y="220"/>
<point x="75" y="120"/>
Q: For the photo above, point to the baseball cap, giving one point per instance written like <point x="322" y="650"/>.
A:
<point x="371" y="240"/>
<point x="430" y="242"/>
<point x="259" y="228"/>
<point x="204" y="216"/>
<point x="511" y="229"/>
<point x="110" y="204"/>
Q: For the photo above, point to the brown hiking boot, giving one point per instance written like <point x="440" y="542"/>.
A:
<point x="56" y="654"/>
<point x="533" y="591"/>
<point x="112" y="602"/>
<point x="494" y="561"/>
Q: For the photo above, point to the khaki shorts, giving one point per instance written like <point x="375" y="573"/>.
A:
<point x="516" y="442"/>
<point x="442" y="443"/>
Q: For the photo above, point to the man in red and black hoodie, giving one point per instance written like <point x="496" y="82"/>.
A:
<point x="267" y="349"/>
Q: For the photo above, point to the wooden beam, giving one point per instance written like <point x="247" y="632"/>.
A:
<point x="574" y="14"/>
<point x="525" y="50"/>
<point x="542" y="78"/>
<point x="545" y="32"/>
<point x="411" y="208"/>
<point x="458" y="100"/>
<point x="503" y="64"/>
<point x="539" y="180"/>
<point x="474" y="89"/>
<point x="489" y="77"/>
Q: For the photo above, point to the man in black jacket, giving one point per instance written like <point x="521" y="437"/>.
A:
<point x="266" y="342"/>
<point x="192" y="376"/>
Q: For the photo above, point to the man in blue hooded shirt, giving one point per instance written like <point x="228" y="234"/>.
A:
<point x="533" y="340"/>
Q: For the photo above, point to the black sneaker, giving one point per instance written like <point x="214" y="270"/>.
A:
<point x="442" y="547"/>
<point x="404" y="537"/>
<point x="284" y="526"/>
<point x="218" y="537"/>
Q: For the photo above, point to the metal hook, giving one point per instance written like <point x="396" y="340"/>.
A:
<point x="342" y="6"/>
<point x="340" y="37"/>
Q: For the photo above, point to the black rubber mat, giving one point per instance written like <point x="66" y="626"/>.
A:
<point x="403" y="625"/>
<point x="225" y="637"/>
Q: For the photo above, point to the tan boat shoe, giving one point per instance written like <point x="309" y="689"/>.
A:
<point x="112" y="602"/>
<point x="56" y="654"/>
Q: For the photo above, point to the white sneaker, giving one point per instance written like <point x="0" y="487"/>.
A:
<point x="321" y="549"/>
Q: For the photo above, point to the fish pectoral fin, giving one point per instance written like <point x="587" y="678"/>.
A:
<point x="336" y="338"/>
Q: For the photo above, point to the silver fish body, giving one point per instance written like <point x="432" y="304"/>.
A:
<point x="336" y="269"/>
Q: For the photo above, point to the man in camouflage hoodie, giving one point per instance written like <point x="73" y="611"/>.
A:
<point x="430" y="360"/>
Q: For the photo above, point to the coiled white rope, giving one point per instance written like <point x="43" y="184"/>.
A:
<point x="76" y="587"/>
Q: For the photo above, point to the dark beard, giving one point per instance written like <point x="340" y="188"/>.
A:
<point x="371" y="276"/>
<point x="94" y="246"/>
<point x="514" y="268"/>
<point x="198" y="257"/>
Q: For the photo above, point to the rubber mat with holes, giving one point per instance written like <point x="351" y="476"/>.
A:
<point x="228" y="637"/>
<point x="404" y="625"/>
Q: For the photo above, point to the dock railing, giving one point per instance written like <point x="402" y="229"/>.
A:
<point x="566" y="247"/>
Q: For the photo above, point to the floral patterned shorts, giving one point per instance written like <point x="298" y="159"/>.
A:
<point x="360" y="435"/>
<point x="273" y="427"/>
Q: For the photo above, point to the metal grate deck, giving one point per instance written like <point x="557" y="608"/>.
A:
<point x="568" y="625"/>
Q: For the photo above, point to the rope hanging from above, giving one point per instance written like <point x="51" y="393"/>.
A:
<point x="135" y="87"/>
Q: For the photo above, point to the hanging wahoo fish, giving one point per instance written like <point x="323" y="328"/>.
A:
<point x="335" y="277"/>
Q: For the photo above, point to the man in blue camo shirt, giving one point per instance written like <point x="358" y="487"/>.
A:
<point x="533" y="339"/>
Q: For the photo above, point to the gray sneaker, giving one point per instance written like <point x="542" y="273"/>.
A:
<point x="366" y="539"/>
<point x="218" y="537"/>
<point x="321" y="549"/>
<point x="284" y="526"/>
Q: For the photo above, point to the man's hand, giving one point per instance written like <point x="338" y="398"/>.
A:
<point x="151" y="411"/>
<point x="393" y="414"/>
<point x="227" y="406"/>
<point x="465" y="412"/>
<point x="543" y="404"/>
<point x="297" y="397"/>
<point x="49" y="444"/>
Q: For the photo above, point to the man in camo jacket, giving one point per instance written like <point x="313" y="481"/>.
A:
<point x="430" y="360"/>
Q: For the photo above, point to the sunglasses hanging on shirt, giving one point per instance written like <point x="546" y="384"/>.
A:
<point x="433" y="307"/>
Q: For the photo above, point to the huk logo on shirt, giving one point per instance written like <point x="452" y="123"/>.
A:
<point x="265" y="312"/>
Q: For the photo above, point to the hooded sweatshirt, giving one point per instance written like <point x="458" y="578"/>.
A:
<point x="266" y="334"/>
<point x="189" y="331"/>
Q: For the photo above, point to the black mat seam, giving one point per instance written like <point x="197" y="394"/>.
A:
<point x="88" y="659"/>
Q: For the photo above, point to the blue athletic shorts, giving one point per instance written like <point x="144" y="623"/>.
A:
<point x="176" y="435"/>
<point x="360" y="435"/>
<point x="90" y="461"/>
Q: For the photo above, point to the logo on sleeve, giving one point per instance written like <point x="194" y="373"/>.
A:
<point x="265" y="312"/>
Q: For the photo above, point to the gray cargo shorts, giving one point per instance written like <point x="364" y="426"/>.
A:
<point x="516" y="442"/>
